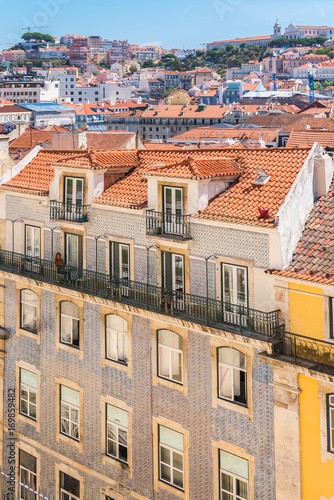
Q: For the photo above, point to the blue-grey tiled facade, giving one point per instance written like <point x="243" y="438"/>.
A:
<point x="195" y="412"/>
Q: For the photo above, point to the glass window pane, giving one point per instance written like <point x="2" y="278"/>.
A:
<point x="178" y="478"/>
<point x="228" y="284"/>
<point x="241" y="286"/>
<point x="169" y="338"/>
<point x="112" y="344"/>
<point x="176" y="366"/>
<point x="165" y="473"/>
<point x="163" y="362"/>
<point x="177" y="460"/>
<point x="165" y="455"/>
<point x="70" y="395"/>
<point x="69" y="309"/>
<point x="29" y="297"/>
<point x="225" y="382"/>
<point x="226" y="482"/>
<point x="241" y="488"/>
<point x="232" y="357"/>
<point x="28" y="461"/>
<point x="70" y="484"/>
<point x="234" y="464"/>
<point x="116" y="323"/>
<point x="117" y="415"/>
<point x="171" y="438"/>
<point x="28" y="378"/>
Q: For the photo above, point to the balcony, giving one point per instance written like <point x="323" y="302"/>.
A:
<point x="168" y="225"/>
<point x="222" y="315"/>
<point x="68" y="212"/>
<point x="305" y="351"/>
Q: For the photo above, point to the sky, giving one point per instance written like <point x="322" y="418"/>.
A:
<point x="171" y="24"/>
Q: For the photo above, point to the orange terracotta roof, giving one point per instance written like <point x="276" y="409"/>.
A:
<point x="309" y="137"/>
<point x="310" y="122"/>
<point x="108" y="140"/>
<point x="206" y="133"/>
<point x="197" y="168"/>
<point x="242" y="200"/>
<point x="313" y="259"/>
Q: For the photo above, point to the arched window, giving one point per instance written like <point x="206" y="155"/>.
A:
<point x="170" y="355"/>
<point x="69" y="323"/>
<point x="28" y="320"/>
<point x="232" y="375"/>
<point x="116" y="338"/>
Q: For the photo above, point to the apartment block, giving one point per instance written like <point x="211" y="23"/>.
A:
<point x="139" y="327"/>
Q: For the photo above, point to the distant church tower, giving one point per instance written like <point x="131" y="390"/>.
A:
<point x="277" y="29"/>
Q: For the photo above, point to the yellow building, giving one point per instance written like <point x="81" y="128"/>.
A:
<point x="304" y="366"/>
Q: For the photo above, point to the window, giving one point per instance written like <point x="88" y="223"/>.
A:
<point x="73" y="251"/>
<point x="69" y="420"/>
<point x="173" y="272"/>
<point x="117" y="433"/>
<point x="28" y="317"/>
<point x="232" y="375"/>
<point x="233" y="477"/>
<point x="69" y="487"/>
<point x="69" y="323"/>
<point x="235" y="284"/>
<point x="330" y="412"/>
<point x="331" y="316"/>
<point x="170" y="355"/>
<point x="171" y="457"/>
<point x="33" y="242"/>
<point x="28" y="476"/>
<point x="28" y="394"/>
<point x="119" y="260"/>
<point x="116" y="338"/>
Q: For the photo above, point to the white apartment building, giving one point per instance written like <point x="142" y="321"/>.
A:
<point x="29" y="91"/>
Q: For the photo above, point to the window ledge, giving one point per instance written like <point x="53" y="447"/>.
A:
<point x="26" y="333"/>
<point x="172" y="385"/>
<point x="69" y="440"/>
<point x="70" y="349"/>
<point x="229" y="405"/>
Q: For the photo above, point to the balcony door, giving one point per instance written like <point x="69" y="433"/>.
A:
<point x="235" y="294"/>
<point x="173" y="272"/>
<point x="119" y="260"/>
<point x="73" y="250"/>
<point x="173" y="210"/>
<point x="32" y="247"/>
<point x="73" y="197"/>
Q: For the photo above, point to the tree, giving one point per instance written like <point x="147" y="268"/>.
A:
<point x="27" y="37"/>
<point x="132" y="69"/>
<point x="147" y="64"/>
<point x="168" y="57"/>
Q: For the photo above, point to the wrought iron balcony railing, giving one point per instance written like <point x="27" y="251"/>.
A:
<point x="222" y="315"/>
<point x="168" y="225"/>
<point x="316" y="353"/>
<point x="68" y="212"/>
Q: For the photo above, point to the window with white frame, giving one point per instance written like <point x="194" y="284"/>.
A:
<point x="119" y="260"/>
<point x="28" y="393"/>
<point x="117" y="433"/>
<point x="330" y="412"/>
<point x="170" y="355"/>
<point x="69" y="323"/>
<point x="70" y="412"/>
<point x="28" y="317"/>
<point x="69" y="487"/>
<point x="116" y="338"/>
<point x="28" y="476"/>
<point x="235" y="285"/>
<point x="232" y="375"/>
<point x="171" y="457"/>
<point x="233" y="477"/>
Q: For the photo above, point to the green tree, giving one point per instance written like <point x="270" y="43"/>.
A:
<point x="27" y="37"/>
<point x="132" y="69"/>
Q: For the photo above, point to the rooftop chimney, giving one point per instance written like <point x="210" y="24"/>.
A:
<point x="323" y="173"/>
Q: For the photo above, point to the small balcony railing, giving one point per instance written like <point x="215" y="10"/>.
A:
<point x="168" y="225"/>
<point x="68" y="212"/>
<point x="222" y="315"/>
<point x="316" y="353"/>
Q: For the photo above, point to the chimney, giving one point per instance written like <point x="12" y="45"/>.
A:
<point x="323" y="173"/>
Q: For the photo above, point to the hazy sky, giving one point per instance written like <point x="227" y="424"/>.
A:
<point x="171" y="23"/>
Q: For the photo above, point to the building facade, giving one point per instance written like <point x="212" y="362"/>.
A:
<point x="137" y="361"/>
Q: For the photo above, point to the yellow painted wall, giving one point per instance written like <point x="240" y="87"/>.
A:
<point x="317" y="476"/>
<point x="306" y="310"/>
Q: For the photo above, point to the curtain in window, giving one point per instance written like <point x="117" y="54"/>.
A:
<point x="170" y="360"/>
